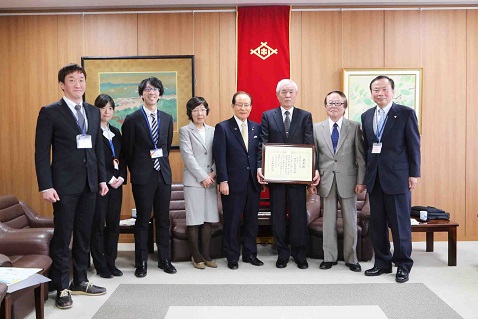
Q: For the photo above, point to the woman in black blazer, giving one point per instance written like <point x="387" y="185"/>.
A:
<point x="105" y="232"/>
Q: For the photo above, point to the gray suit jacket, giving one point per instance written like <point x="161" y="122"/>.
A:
<point x="348" y="163"/>
<point x="196" y="154"/>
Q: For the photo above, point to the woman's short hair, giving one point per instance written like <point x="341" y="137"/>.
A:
<point x="103" y="99"/>
<point x="194" y="102"/>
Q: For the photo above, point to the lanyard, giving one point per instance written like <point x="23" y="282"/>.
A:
<point x="149" y="128"/>
<point x="110" y="140"/>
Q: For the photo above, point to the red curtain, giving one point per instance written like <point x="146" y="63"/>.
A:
<point x="263" y="55"/>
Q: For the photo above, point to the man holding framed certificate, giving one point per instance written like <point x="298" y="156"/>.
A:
<point x="287" y="125"/>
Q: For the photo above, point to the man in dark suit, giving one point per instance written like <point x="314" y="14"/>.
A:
<point x="392" y="141"/>
<point x="147" y="138"/>
<point x="288" y="125"/>
<point x="70" y="129"/>
<point x="235" y="147"/>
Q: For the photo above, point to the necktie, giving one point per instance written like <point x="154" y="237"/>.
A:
<point x="335" y="137"/>
<point x="80" y="117"/>
<point x="154" y="132"/>
<point x="244" y="135"/>
<point x="380" y="120"/>
<point x="287" y="123"/>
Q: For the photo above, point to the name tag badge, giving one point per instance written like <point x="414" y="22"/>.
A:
<point x="115" y="164"/>
<point x="83" y="141"/>
<point x="377" y="148"/>
<point x="156" y="153"/>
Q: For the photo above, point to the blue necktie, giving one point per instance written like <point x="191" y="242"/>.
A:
<point x="335" y="137"/>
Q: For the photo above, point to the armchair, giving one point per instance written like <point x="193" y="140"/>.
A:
<point x="24" y="248"/>
<point x="315" y="224"/>
<point x="179" y="237"/>
<point x="16" y="214"/>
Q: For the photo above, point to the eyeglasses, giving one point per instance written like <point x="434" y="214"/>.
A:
<point x="335" y="103"/>
<point x="242" y="105"/>
<point x="199" y="111"/>
<point x="148" y="88"/>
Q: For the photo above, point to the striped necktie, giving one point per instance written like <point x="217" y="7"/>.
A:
<point x="154" y="132"/>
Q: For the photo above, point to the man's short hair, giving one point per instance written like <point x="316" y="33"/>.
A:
<point x="392" y="84"/>
<point x="342" y="94"/>
<point x="155" y="82"/>
<point x="68" y="69"/>
<point x="286" y="82"/>
<point x="240" y="92"/>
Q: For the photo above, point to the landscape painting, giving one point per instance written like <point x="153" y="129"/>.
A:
<point x="119" y="77"/>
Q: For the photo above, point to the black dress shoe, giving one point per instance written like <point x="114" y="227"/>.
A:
<point x="354" y="267"/>
<point x="281" y="263"/>
<point x="105" y="274"/>
<point x="402" y="275"/>
<point x="327" y="264"/>
<point x="376" y="271"/>
<point x="115" y="271"/>
<point x="141" y="269"/>
<point x="232" y="265"/>
<point x="253" y="260"/>
<point x="167" y="266"/>
<point x="301" y="264"/>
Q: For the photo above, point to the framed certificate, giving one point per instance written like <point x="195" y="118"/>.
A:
<point x="288" y="163"/>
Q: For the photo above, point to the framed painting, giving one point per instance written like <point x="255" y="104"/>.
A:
<point x="119" y="77"/>
<point x="356" y="86"/>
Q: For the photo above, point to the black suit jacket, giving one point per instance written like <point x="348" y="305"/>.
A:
<point x="110" y="170"/>
<point x="400" y="155"/>
<point x="234" y="163"/>
<point x="137" y="145"/>
<point x="70" y="167"/>
<point x="273" y="131"/>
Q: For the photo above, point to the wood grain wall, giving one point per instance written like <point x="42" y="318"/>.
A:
<point x="443" y="42"/>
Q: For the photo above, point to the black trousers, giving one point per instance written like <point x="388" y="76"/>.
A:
<point x="153" y="196"/>
<point x="105" y="230"/>
<point x="390" y="211"/>
<point x="72" y="215"/>
<point x="235" y="205"/>
<point x="292" y="196"/>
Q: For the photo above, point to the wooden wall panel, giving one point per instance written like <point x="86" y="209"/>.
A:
<point x="70" y="40"/>
<point x="296" y="45"/>
<point x="444" y="113"/>
<point x="321" y="35"/>
<point x="207" y="52"/>
<point x="158" y="34"/>
<point x="227" y="66"/>
<point x="363" y="35"/>
<point x="471" y="145"/>
<point x="110" y="35"/>
<point x="402" y="39"/>
<point x="32" y="82"/>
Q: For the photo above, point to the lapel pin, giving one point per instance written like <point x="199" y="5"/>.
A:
<point x="395" y="116"/>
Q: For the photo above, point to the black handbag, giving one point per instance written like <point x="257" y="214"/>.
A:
<point x="432" y="212"/>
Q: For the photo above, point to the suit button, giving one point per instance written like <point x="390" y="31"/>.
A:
<point x="335" y="161"/>
<point x="208" y="166"/>
<point x="205" y="153"/>
<point x="84" y="160"/>
<point x="248" y="167"/>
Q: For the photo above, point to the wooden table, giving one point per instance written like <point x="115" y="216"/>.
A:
<point x="39" y="293"/>
<point x="438" y="225"/>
